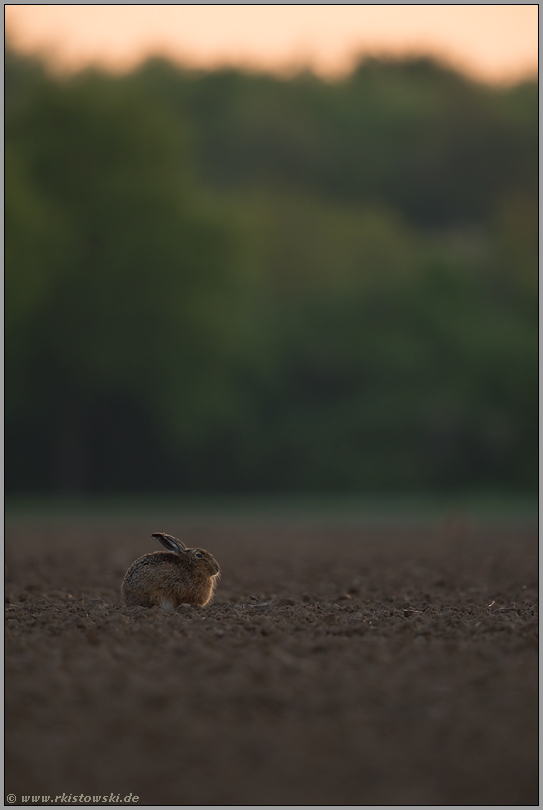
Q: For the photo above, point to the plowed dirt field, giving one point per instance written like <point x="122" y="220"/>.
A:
<point x="397" y="666"/>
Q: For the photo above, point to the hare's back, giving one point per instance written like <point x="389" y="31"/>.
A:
<point x="155" y="565"/>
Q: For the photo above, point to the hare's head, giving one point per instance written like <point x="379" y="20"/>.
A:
<point x="197" y="558"/>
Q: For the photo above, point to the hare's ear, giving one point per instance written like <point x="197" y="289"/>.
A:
<point x="170" y="542"/>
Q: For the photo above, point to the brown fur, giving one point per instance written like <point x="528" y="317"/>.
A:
<point x="171" y="577"/>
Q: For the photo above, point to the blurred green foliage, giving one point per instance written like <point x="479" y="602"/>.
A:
<point x="226" y="282"/>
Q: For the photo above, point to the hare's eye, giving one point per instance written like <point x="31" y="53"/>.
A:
<point x="200" y="556"/>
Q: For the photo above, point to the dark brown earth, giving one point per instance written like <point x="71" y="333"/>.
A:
<point x="398" y="666"/>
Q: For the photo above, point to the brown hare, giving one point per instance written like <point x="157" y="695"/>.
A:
<point x="170" y="578"/>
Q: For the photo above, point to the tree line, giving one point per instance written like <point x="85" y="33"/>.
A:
<point x="233" y="282"/>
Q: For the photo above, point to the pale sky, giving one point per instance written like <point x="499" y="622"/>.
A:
<point x="497" y="43"/>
